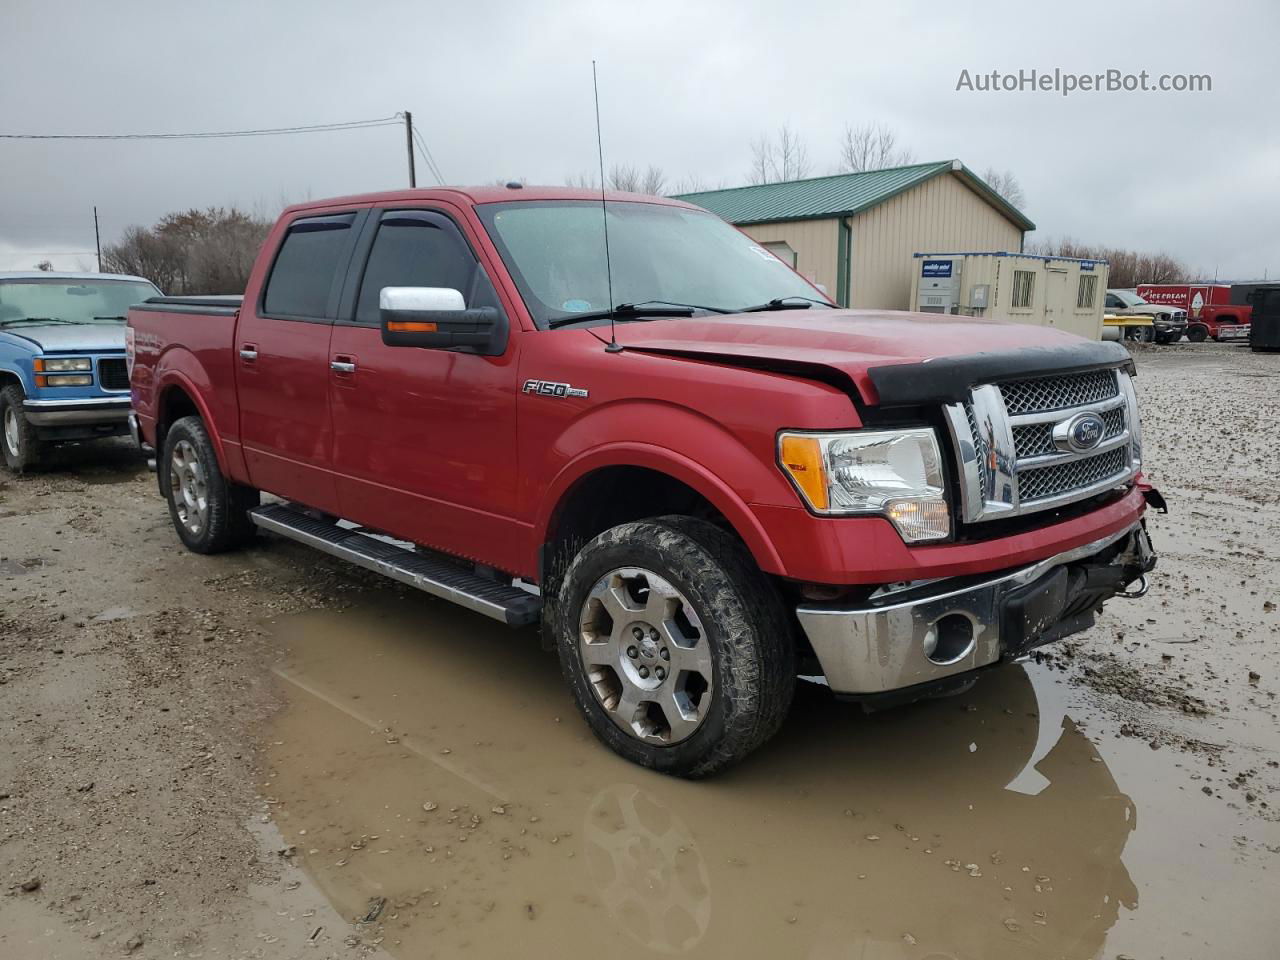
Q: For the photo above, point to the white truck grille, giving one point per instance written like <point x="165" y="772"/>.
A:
<point x="1044" y="442"/>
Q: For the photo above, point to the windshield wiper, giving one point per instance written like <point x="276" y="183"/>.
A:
<point x="785" y="303"/>
<point x="111" y="318"/>
<point x="647" y="310"/>
<point x="5" y="323"/>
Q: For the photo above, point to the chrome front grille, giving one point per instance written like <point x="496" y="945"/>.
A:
<point x="1036" y="439"/>
<point x="1058" y="393"/>
<point x="1016" y="445"/>
<point x="1040" y="482"/>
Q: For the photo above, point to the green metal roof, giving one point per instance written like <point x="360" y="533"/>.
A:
<point x="841" y="195"/>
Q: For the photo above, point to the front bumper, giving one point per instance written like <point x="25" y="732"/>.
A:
<point x="75" y="411"/>
<point x="932" y="631"/>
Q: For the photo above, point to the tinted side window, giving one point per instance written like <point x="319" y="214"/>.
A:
<point x="415" y="248"/>
<point x="312" y="254"/>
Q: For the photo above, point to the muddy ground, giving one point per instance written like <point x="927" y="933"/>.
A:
<point x="266" y="754"/>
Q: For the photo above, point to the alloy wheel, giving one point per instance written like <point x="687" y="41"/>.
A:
<point x="646" y="655"/>
<point x="189" y="485"/>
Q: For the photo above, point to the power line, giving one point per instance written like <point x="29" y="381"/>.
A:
<point x="426" y="155"/>
<point x="212" y="135"/>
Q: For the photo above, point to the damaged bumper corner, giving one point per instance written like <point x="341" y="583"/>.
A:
<point x="928" y="632"/>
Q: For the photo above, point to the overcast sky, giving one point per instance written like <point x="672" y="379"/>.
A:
<point x="503" y="89"/>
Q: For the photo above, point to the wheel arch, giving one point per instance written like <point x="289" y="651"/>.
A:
<point x="633" y="481"/>
<point x="12" y="376"/>
<point x="177" y="397"/>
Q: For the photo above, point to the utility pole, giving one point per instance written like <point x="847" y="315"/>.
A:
<point x="408" y="142"/>
<point x="97" y="237"/>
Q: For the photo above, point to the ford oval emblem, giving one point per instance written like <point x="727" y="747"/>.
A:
<point x="1081" y="433"/>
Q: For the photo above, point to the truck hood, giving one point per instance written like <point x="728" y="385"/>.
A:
<point x="71" y="337"/>
<point x="1153" y="310"/>
<point x="889" y="357"/>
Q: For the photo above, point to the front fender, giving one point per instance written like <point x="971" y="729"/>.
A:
<point x="22" y="376"/>
<point x="679" y="443"/>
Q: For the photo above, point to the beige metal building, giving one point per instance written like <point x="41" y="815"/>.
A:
<point x="855" y="233"/>
<point x="1047" y="291"/>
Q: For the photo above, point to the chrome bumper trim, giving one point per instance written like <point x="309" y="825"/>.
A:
<point x="874" y="649"/>
<point x="47" y="413"/>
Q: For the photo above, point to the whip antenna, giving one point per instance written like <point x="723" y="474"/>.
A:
<point x="604" y="213"/>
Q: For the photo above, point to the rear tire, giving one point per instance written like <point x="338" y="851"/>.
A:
<point x="209" y="512"/>
<point x="674" y="645"/>
<point x="21" y="446"/>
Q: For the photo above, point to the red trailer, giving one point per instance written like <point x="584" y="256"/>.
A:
<point x="1210" y="312"/>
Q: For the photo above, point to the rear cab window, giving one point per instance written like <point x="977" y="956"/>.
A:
<point x="308" y="267"/>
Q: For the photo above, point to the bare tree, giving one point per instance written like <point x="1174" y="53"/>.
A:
<point x="45" y="265"/>
<point x="586" y="181"/>
<point x="1128" y="268"/>
<point x="196" y="251"/>
<point x="1005" y="184"/>
<point x="625" y="177"/>
<point x="629" y="178"/>
<point x="654" y="181"/>
<point x="142" y="253"/>
<point x="871" y="146"/>
<point x="690" y="184"/>
<point x="777" y="158"/>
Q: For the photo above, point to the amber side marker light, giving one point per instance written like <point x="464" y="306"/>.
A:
<point x="410" y="326"/>
<point x="802" y="459"/>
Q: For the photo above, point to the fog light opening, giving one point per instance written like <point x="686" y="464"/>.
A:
<point x="949" y="639"/>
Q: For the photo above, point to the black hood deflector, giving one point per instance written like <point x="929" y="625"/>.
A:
<point x="949" y="379"/>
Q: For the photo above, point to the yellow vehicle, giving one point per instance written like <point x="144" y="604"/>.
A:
<point x="1130" y="327"/>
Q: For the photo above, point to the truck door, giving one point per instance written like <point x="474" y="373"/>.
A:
<point x="424" y="440"/>
<point x="282" y="363"/>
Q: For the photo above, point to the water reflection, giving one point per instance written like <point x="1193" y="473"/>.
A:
<point x="985" y="826"/>
<point x="650" y="876"/>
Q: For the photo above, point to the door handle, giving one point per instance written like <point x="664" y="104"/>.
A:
<point x="248" y="353"/>
<point x="342" y="366"/>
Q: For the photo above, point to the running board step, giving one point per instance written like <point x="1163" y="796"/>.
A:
<point x="440" y="578"/>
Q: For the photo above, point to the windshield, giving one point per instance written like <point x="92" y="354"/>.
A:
<point x="555" y="252"/>
<point x="71" y="301"/>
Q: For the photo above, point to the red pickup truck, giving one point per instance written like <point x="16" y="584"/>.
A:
<point x="698" y="475"/>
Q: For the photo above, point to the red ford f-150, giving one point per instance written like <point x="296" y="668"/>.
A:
<point x="701" y="477"/>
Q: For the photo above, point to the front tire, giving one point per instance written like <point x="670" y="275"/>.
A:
<point x="675" y="646"/>
<point x="1197" y="334"/>
<point x="209" y="512"/>
<point x="21" y="447"/>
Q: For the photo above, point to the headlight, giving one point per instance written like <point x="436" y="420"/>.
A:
<point x="62" y="364"/>
<point x="65" y="380"/>
<point x="897" y="473"/>
<point x="1135" y="422"/>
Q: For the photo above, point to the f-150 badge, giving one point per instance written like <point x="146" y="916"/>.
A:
<point x="546" y="388"/>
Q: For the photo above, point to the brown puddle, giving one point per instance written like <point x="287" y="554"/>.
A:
<point x="434" y="759"/>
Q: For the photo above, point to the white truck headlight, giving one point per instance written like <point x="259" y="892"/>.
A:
<point x="62" y="364"/>
<point x="896" y="473"/>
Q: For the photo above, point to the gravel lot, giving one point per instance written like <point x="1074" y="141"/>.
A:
<point x="267" y="754"/>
